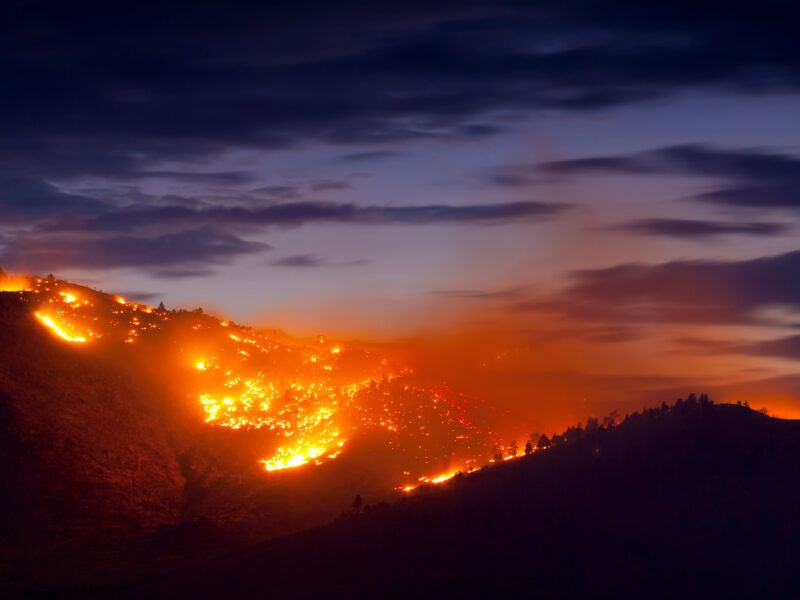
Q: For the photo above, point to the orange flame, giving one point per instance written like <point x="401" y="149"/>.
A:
<point x="57" y="330"/>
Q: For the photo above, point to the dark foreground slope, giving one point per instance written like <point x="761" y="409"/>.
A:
<point x="108" y="474"/>
<point x="699" y="500"/>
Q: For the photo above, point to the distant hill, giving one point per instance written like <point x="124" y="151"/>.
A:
<point x="693" y="501"/>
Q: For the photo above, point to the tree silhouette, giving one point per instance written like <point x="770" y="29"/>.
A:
<point x="610" y="419"/>
<point x="528" y="448"/>
<point x="512" y="448"/>
<point x="357" y="502"/>
<point x="543" y="442"/>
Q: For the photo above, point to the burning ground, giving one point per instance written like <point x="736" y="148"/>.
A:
<point x="309" y="400"/>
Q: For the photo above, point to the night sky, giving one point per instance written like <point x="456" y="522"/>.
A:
<point x="602" y="196"/>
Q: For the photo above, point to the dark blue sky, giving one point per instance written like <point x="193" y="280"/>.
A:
<point x="625" y="173"/>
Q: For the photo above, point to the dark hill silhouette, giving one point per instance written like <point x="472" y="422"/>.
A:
<point x="108" y="474"/>
<point x="111" y="475"/>
<point x="698" y="500"/>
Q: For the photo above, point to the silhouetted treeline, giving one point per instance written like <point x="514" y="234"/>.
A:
<point x="682" y="501"/>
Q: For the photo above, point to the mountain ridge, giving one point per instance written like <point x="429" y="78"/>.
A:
<point x="694" y="500"/>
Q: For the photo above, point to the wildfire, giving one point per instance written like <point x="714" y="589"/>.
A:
<point x="433" y="479"/>
<point x="57" y="330"/>
<point x="310" y="400"/>
<point x="14" y="283"/>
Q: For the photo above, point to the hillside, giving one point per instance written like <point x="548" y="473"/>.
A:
<point x="699" y="500"/>
<point x="136" y="439"/>
<point x="110" y="471"/>
<point x="170" y="447"/>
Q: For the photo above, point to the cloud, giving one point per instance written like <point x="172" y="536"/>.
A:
<point x="690" y="159"/>
<point x="281" y="192"/>
<point x="299" y="213"/>
<point x="757" y="178"/>
<point x="310" y="260"/>
<point x="140" y="296"/>
<point x="24" y="199"/>
<point x="118" y="93"/>
<point x="221" y="178"/>
<point x="686" y="291"/>
<point x="698" y="229"/>
<point x="187" y="247"/>
<point x="182" y="273"/>
<point x="507" y="294"/>
<point x="330" y="186"/>
<point x="47" y="228"/>
<point x="368" y="156"/>
<point x="787" y="347"/>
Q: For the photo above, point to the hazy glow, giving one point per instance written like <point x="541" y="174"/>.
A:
<point x="14" y="283"/>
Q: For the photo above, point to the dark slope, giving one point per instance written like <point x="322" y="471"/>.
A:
<point x="696" y="501"/>
<point x="107" y="473"/>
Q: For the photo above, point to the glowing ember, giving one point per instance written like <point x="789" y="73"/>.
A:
<point x="430" y="480"/>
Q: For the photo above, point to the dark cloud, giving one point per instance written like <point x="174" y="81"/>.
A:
<point x="281" y="192"/>
<point x="370" y="155"/>
<point x="25" y="199"/>
<point x="44" y="227"/>
<point x="221" y="178"/>
<point x="121" y="88"/>
<point x="140" y="296"/>
<point x="690" y="159"/>
<point x="757" y="178"/>
<point x="778" y="195"/>
<point x="310" y="260"/>
<point x="182" y="273"/>
<point x="787" y="347"/>
<point x="698" y="229"/>
<point x="330" y="186"/>
<point x="299" y="260"/>
<point x="508" y="294"/>
<point x="688" y="291"/>
<point x="188" y="247"/>
<point x="299" y="213"/>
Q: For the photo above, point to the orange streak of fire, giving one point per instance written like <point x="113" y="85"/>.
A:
<point x="57" y="330"/>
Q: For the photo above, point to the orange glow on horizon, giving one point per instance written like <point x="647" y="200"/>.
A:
<point x="15" y="283"/>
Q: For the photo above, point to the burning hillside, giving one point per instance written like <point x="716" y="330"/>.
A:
<point x="308" y="399"/>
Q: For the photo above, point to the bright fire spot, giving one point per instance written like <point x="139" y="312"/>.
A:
<point x="201" y="365"/>
<point x="430" y="479"/>
<point x="57" y="330"/>
<point x="287" y="458"/>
